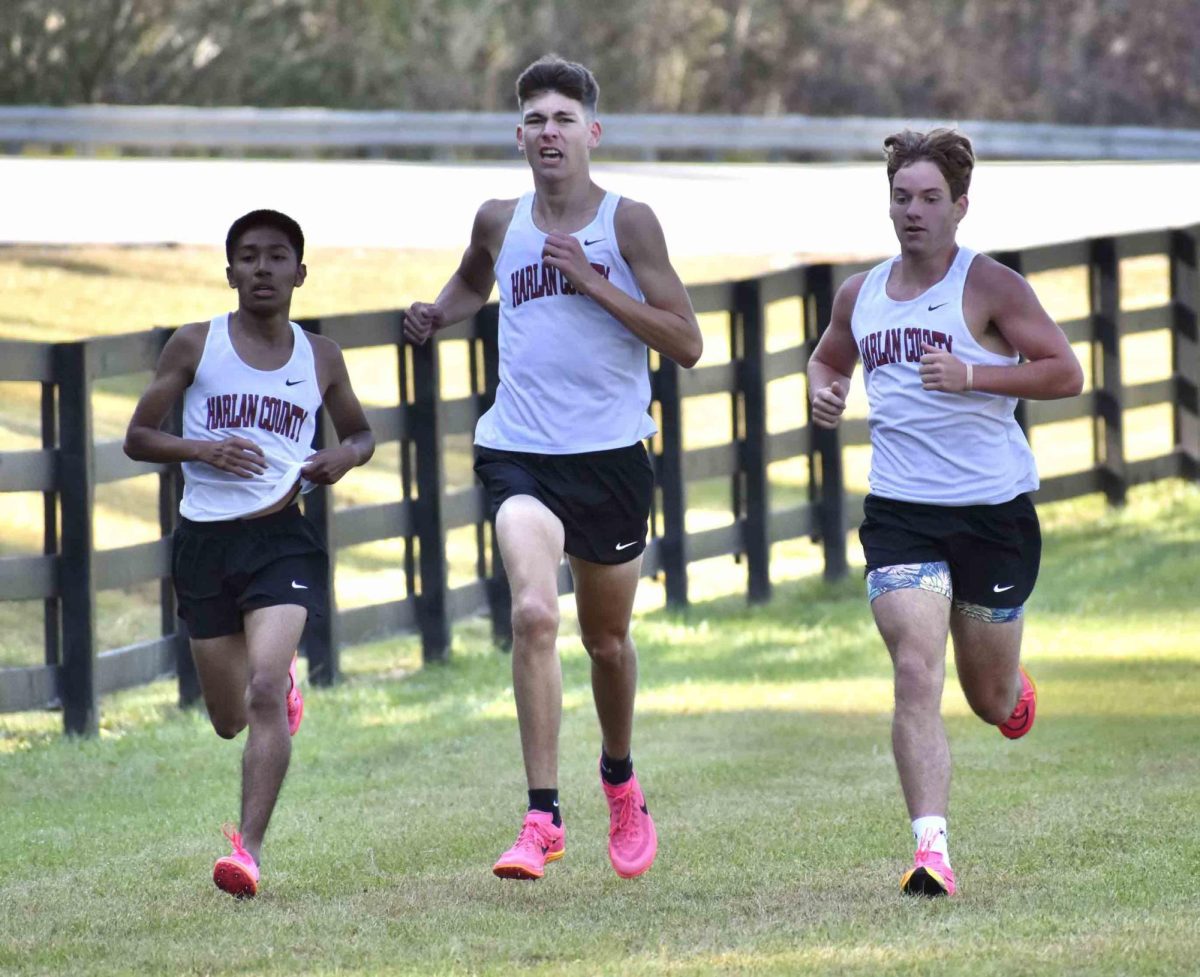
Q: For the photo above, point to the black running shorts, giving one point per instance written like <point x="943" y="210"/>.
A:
<point x="223" y="569"/>
<point x="994" y="551"/>
<point x="602" y="498"/>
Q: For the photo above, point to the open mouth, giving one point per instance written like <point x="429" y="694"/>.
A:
<point x="550" y="154"/>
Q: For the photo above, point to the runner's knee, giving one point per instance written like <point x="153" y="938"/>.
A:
<point x="918" y="681"/>
<point x="227" y="726"/>
<point x="266" y="693"/>
<point x="607" y="648"/>
<point x="534" y="619"/>
<point x="993" y="705"/>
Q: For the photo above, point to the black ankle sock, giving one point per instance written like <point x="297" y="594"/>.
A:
<point x="546" y="799"/>
<point x="616" y="772"/>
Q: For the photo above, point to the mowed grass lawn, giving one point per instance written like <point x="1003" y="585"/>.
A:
<point x="762" y="742"/>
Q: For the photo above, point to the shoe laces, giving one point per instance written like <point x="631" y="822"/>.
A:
<point x="532" y="835"/>
<point x="925" y="845"/>
<point x="234" y="837"/>
<point x="624" y="815"/>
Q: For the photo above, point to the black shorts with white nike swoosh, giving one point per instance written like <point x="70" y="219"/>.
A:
<point x="223" y="569"/>
<point x="994" y="551"/>
<point x="602" y="498"/>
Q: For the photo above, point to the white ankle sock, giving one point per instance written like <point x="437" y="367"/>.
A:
<point x="936" y="828"/>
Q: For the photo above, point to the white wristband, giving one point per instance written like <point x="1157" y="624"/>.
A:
<point x="970" y="378"/>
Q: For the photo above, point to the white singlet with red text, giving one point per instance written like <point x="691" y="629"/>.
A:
<point x="276" y="409"/>
<point x="572" y="378"/>
<point x="928" y="445"/>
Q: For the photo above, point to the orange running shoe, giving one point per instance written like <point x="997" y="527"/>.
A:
<point x="295" y="701"/>
<point x="930" y="875"/>
<point x="1021" y="721"/>
<point x="538" y="842"/>
<point x="632" y="839"/>
<point x="236" y="873"/>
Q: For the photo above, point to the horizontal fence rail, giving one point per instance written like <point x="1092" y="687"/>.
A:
<point x="426" y="426"/>
<point x="310" y="131"/>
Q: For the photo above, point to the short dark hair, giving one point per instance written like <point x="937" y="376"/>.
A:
<point x="949" y="150"/>
<point x="265" y="218"/>
<point x="550" y="73"/>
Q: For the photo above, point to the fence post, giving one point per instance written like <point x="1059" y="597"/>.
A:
<point x="1105" y="303"/>
<point x="52" y="620"/>
<point x="170" y="492"/>
<point x="486" y="326"/>
<point x="320" y="632"/>
<point x="753" y="454"/>
<point x="1185" y="349"/>
<point x="825" y="457"/>
<point x="76" y="481"/>
<point x="669" y="475"/>
<point x="432" y="607"/>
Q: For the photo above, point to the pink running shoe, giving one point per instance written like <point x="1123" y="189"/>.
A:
<point x="236" y="873"/>
<point x="538" y="842"/>
<point x="632" y="840"/>
<point x="1021" y="721"/>
<point x="930" y="875"/>
<point x="295" y="701"/>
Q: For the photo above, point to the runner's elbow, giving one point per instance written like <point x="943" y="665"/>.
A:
<point x="1072" y="380"/>
<point x="690" y="354"/>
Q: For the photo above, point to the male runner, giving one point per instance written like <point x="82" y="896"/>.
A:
<point x="585" y="287"/>
<point x="248" y="567"/>
<point x="949" y="339"/>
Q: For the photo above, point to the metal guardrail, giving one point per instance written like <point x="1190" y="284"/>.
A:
<point x="310" y="131"/>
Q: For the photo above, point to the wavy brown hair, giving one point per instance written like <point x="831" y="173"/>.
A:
<point x="550" y="73"/>
<point x="949" y="150"/>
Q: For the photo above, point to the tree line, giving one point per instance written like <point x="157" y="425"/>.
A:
<point x="1104" y="62"/>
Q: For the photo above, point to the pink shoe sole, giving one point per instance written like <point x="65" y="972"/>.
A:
<point x="523" y="872"/>
<point x="231" y="877"/>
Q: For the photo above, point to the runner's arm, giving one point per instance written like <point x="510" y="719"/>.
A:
<point x="1050" y="369"/>
<point x="144" y="439"/>
<point x="831" y="364"/>
<point x="665" y="321"/>
<point x="356" y="442"/>
<point x="470" y="286"/>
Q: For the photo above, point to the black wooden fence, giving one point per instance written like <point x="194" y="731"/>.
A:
<point x="70" y="465"/>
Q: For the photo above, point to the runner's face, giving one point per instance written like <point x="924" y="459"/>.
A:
<point x="264" y="271"/>
<point x="556" y="135"/>
<point x="924" y="216"/>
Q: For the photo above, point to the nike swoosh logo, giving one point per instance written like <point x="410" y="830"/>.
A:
<point x="997" y="589"/>
<point x="625" y="546"/>
<point x="934" y="308"/>
<point x="291" y="383"/>
<point x="645" y="810"/>
<point x="594" y="241"/>
<point x="299" y="586"/>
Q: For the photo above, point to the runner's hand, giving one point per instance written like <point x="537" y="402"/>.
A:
<point x="421" y="321"/>
<point x="329" y="464"/>
<point x="564" y="252"/>
<point x="828" y="403"/>
<point x="942" y="371"/>
<point x="234" y="454"/>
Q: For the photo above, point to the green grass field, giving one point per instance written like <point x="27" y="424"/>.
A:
<point x="762" y="742"/>
<point x="762" y="737"/>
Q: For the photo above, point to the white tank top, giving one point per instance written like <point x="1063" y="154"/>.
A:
<point x="928" y="445"/>
<point x="276" y="409"/>
<point x="572" y="378"/>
